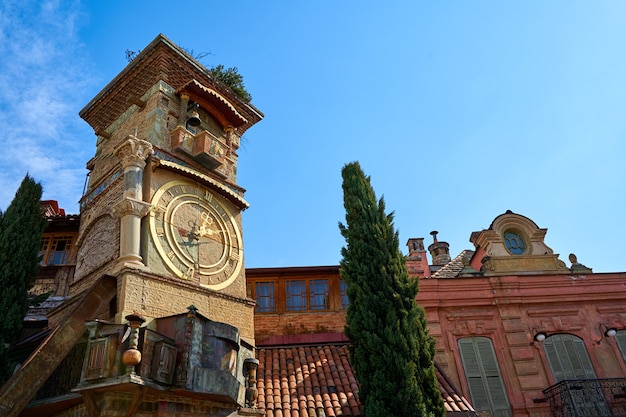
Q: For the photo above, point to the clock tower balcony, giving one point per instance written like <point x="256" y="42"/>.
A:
<point x="204" y="147"/>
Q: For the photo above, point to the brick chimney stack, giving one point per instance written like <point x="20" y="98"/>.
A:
<point x="417" y="262"/>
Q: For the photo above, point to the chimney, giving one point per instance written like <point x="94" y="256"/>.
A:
<point x="439" y="251"/>
<point x="416" y="262"/>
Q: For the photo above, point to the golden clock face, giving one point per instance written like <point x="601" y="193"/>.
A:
<point x="196" y="234"/>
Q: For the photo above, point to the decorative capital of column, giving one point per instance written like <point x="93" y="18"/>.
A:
<point x="131" y="206"/>
<point x="133" y="152"/>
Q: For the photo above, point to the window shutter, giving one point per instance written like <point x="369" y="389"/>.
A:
<point x="478" y="392"/>
<point x="487" y="356"/>
<point x="163" y="362"/>
<point x="583" y="358"/>
<point x="498" y="397"/>
<point x="577" y="368"/>
<point x="96" y="358"/>
<point x="553" y="358"/>
<point x="620" y="338"/>
<point x="483" y="376"/>
<point x="568" y="357"/>
<point x="469" y="357"/>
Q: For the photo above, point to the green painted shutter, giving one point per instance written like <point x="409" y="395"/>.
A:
<point x="483" y="376"/>
<point x="569" y="361"/>
<point x="620" y="338"/>
<point x="568" y="357"/>
<point x="553" y="358"/>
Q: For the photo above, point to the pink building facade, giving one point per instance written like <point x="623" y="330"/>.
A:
<point x="520" y="332"/>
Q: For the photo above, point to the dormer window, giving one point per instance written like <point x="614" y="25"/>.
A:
<point x="514" y="242"/>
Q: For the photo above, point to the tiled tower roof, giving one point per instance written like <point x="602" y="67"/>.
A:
<point x="162" y="60"/>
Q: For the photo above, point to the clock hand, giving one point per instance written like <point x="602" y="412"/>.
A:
<point x="207" y="230"/>
<point x="192" y="239"/>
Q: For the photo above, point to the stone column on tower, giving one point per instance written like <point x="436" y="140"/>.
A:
<point x="133" y="153"/>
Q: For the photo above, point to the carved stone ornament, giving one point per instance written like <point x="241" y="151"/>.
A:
<point x="577" y="266"/>
<point x="131" y="206"/>
<point x="487" y="265"/>
<point x="133" y="152"/>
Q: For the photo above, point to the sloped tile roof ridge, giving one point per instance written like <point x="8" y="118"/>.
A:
<point x="454" y="267"/>
<point x="453" y="400"/>
<point x="307" y="381"/>
<point x="318" y="381"/>
<point x="299" y="345"/>
<point x="229" y="192"/>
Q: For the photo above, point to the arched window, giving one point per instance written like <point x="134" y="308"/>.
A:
<point x="568" y="357"/>
<point x="483" y="376"/>
<point x="579" y="391"/>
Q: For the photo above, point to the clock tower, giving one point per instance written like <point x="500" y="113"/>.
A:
<point x="158" y="321"/>
<point x="162" y="210"/>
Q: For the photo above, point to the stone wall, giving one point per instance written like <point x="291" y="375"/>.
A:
<point x="160" y="296"/>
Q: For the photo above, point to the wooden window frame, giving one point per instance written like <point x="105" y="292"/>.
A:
<point x="49" y="252"/>
<point x="343" y="291"/>
<point x="272" y="297"/>
<point x="307" y="295"/>
<point x="332" y="294"/>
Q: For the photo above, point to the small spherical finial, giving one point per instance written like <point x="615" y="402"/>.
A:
<point x="131" y="357"/>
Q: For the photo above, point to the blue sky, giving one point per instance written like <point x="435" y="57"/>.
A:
<point x="458" y="110"/>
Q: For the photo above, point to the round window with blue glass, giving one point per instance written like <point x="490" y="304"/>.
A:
<point x="514" y="242"/>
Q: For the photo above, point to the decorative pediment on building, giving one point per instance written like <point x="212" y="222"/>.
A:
<point x="514" y="244"/>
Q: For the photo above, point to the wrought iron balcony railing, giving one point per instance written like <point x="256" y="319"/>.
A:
<point x="588" y="397"/>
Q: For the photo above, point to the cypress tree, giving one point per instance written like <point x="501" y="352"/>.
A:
<point x="390" y="349"/>
<point x="21" y="228"/>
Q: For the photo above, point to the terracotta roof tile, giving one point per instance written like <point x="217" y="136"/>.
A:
<point x="317" y="381"/>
